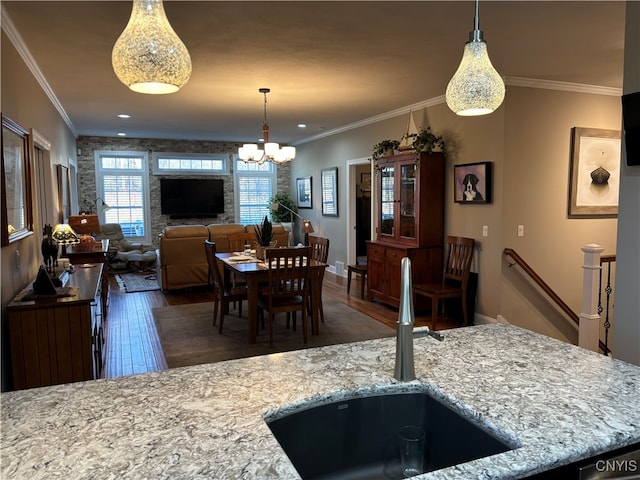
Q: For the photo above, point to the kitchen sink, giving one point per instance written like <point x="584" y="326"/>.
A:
<point x="357" y="438"/>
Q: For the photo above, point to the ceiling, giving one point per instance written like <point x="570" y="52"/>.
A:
<point x="329" y="64"/>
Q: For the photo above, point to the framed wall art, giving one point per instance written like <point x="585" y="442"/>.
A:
<point x="365" y="183"/>
<point x="64" y="205"/>
<point x="303" y="192"/>
<point x="330" y="192"/>
<point x="17" y="210"/>
<point x="594" y="177"/>
<point x="472" y="183"/>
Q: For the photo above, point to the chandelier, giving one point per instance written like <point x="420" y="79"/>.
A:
<point x="272" y="152"/>
<point x="149" y="57"/>
<point x="476" y="88"/>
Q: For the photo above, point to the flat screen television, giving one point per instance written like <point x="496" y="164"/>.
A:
<point x="191" y="197"/>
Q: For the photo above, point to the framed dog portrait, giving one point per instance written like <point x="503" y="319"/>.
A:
<point x="595" y="173"/>
<point x="303" y="192"/>
<point x="472" y="183"/>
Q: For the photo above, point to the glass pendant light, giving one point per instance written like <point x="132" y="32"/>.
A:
<point x="149" y="57"/>
<point x="476" y="88"/>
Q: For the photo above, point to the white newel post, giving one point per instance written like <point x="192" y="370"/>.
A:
<point x="589" y="329"/>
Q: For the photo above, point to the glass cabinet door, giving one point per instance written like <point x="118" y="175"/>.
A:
<point x="387" y="203"/>
<point x="407" y="197"/>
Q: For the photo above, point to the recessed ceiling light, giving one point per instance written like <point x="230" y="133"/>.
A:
<point x="122" y="134"/>
<point x="302" y="125"/>
<point x="124" y="115"/>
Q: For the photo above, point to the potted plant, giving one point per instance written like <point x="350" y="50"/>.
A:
<point x="427" y="141"/>
<point x="264" y="236"/>
<point x="384" y="148"/>
<point x="281" y="214"/>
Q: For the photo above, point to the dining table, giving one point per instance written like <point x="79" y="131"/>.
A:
<point x="256" y="272"/>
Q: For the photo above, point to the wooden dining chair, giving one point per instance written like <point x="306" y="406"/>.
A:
<point x="455" y="278"/>
<point x="288" y="288"/>
<point x="320" y="252"/>
<point x="223" y="294"/>
<point x="237" y="241"/>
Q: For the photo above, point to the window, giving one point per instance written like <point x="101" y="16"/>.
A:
<point x="122" y="181"/>
<point x="254" y="186"/>
<point x="189" y="164"/>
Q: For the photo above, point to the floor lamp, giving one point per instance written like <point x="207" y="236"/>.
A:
<point x="307" y="228"/>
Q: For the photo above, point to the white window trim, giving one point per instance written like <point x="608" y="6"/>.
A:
<point x="144" y="171"/>
<point x="236" y="188"/>
<point x="156" y="156"/>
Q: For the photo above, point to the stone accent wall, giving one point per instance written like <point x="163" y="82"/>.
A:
<point x="87" y="183"/>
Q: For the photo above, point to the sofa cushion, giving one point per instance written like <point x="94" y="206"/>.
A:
<point x="218" y="233"/>
<point x="184" y="231"/>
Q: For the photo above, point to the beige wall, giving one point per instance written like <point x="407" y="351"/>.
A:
<point x="24" y="101"/>
<point x="536" y="173"/>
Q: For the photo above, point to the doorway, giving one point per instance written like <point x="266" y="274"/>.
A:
<point x="360" y="210"/>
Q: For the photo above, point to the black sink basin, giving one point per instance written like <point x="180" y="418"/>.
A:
<point x="358" y="438"/>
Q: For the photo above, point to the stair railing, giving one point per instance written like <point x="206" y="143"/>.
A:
<point x="585" y="321"/>
<point x="608" y="291"/>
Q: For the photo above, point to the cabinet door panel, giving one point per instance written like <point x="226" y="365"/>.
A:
<point x="387" y="195"/>
<point x="407" y="193"/>
<point x="394" y="274"/>
<point x="375" y="271"/>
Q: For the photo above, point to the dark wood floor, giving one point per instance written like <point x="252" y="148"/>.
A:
<point x="132" y="344"/>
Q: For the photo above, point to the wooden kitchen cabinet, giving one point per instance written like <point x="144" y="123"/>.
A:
<point x="58" y="340"/>
<point x="410" y="192"/>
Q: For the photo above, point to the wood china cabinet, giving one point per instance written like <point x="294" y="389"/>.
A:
<point x="410" y="223"/>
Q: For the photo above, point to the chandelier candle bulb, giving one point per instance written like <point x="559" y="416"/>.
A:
<point x="249" y="152"/>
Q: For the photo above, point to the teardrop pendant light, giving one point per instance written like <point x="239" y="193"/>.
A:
<point x="476" y="88"/>
<point x="149" y="57"/>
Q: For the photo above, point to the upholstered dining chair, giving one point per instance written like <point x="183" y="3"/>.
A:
<point x="320" y="252"/>
<point x="288" y="288"/>
<point x="455" y="277"/>
<point x="223" y="294"/>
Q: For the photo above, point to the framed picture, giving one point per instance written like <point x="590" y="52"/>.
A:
<point x="15" y="193"/>
<point x="594" y="173"/>
<point x="64" y="208"/>
<point x="329" y="182"/>
<point x="365" y="183"/>
<point x="303" y="189"/>
<point x="472" y="183"/>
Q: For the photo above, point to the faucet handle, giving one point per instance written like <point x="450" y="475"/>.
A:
<point x="420" y="331"/>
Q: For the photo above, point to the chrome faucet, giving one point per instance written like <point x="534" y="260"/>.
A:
<point x="405" y="367"/>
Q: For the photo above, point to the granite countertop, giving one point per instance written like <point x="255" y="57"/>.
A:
<point x="558" y="402"/>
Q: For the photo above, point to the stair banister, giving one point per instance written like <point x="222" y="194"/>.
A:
<point x="589" y="323"/>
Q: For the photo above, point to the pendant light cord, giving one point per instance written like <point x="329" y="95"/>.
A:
<point x="476" y="35"/>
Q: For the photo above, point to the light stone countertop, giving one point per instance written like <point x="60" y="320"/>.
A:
<point x="558" y="402"/>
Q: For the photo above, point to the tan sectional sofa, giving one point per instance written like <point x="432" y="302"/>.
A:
<point x="182" y="262"/>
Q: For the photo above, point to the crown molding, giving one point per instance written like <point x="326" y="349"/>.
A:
<point x="511" y="81"/>
<point x="563" y="86"/>
<point x="12" y="33"/>
<point x="375" y="119"/>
